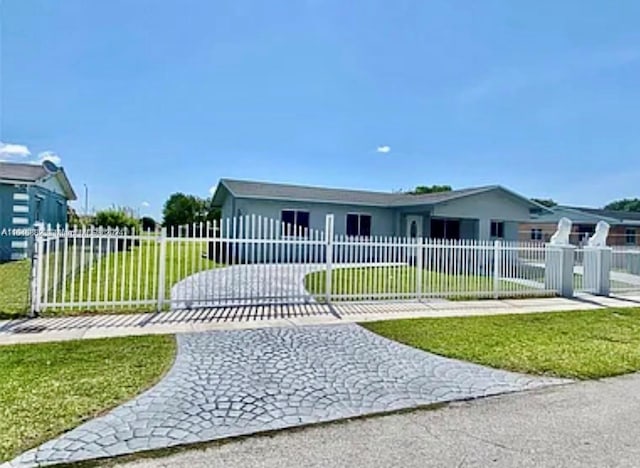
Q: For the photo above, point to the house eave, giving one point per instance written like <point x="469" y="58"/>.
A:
<point x="61" y="177"/>
<point x="16" y="182"/>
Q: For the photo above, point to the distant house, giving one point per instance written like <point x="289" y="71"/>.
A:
<point x="29" y="193"/>
<point x="485" y="213"/>
<point x="625" y="226"/>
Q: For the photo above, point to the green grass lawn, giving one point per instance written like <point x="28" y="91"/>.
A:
<point x="103" y="278"/>
<point x="583" y="345"/>
<point x="14" y="288"/>
<point x="398" y="281"/>
<point x="128" y="275"/>
<point x="49" y="388"/>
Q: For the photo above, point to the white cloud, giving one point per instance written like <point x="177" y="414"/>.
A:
<point x="20" y="153"/>
<point x="49" y="156"/>
<point x="383" y="149"/>
<point x="11" y="151"/>
<point x="145" y="204"/>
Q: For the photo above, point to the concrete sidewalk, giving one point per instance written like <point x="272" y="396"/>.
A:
<point x="230" y="318"/>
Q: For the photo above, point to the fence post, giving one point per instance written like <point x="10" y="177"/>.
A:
<point x="497" y="258"/>
<point x="419" y="265"/>
<point x="36" y="273"/>
<point x="558" y="271"/>
<point x="328" y="232"/>
<point x="162" y="266"/>
<point x="597" y="270"/>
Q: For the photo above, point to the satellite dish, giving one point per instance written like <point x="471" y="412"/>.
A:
<point x="50" y="167"/>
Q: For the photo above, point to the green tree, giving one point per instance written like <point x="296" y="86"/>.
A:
<point x="422" y="189"/>
<point x="548" y="202"/>
<point x="148" y="223"/>
<point x="213" y="212"/>
<point x="116" y="218"/>
<point x="73" y="219"/>
<point x="181" y="209"/>
<point x="626" y="204"/>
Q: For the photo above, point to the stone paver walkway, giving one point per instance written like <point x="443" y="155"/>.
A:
<point x="230" y="383"/>
<point x="241" y="285"/>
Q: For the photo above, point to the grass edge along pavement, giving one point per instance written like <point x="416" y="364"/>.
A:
<point x="587" y="344"/>
<point x="49" y="388"/>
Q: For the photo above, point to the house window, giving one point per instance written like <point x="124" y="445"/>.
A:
<point x="497" y="229"/>
<point x="630" y="236"/>
<point x="536" y="234"/>
<point x="295" y="222"/>
<point x="445" y="228"/>
<point x="358" y="225"/>
<point x="62" y="217"/>
<point x="38" y="210"/>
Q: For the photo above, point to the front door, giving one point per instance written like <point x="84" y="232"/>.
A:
<point x="414" y="226"/>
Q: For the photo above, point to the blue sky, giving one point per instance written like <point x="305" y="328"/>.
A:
<point x="141" y="98"/>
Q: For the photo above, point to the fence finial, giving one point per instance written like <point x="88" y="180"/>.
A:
<point x="599" y="238"/>
<point x="561" y="236"/>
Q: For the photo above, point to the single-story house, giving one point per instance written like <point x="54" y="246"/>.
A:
<point x="491" y="212"/>
<point x="30" y="193"/>
<point x="625" y="225"/>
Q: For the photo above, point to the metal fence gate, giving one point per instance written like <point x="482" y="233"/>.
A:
<point x="255" y="261"/>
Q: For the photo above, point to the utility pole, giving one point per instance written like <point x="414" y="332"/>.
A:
<point x="86" y="200"/>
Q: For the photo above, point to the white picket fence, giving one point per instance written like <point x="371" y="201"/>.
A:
<point x="253" y="260"/>
<point x="625" y="269"/>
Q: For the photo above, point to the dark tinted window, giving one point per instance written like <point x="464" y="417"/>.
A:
<point x="365" y="225"/>
<point x="352" y="225"/>
<point x="445" y="229"/>
<point x="288" y="219"/>
<point x="437" y="228"/>
<point x="358" y="225"/>
<point x="295" y="222"/>
<point x="302" y="219"/>
<point x="497" y="229"/>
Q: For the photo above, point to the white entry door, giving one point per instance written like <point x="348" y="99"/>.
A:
<point x="414" y="226"/>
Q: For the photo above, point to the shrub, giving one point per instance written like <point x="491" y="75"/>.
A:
<point x="116" y="218"/>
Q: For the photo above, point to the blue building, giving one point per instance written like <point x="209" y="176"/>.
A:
<point x="29" y="193"/>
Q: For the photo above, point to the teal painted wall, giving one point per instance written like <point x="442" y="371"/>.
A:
<point x="6" y="209"/>
<point x="44" y="204"/>
<point x="47" y="206"/>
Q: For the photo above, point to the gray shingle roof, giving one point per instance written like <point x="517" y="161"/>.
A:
<point x="21" y="172"/>
<point x="439" y="197"/>
<point x="630" y="215"/>
<point x="251" y="189"/>
<point x="581" y="215"/>
<point x="273" y="191"/>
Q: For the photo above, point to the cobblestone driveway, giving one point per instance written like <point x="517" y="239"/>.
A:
<point x="230" y="383"/>
<point x="244" y="285"/>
